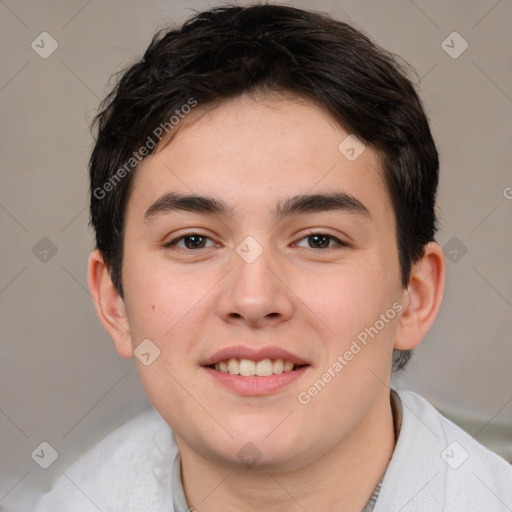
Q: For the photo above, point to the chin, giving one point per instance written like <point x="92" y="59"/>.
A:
<point x="256" y="450"/>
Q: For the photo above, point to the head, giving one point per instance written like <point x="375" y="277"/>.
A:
<point x="271" y="120"/>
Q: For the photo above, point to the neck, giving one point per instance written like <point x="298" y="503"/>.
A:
<point x="343" y="478"/>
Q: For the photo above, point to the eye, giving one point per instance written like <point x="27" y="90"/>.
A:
<point x="320" y="241"/>
<point x="190" y="241"/>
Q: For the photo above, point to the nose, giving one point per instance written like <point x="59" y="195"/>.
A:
<point x="255" y="293"/>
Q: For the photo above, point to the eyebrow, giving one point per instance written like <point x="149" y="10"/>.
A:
<point x="307" y="203"/>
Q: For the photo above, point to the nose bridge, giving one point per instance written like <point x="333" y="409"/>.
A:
<point x="253" y="266"/>
<point x="254" y="292"/>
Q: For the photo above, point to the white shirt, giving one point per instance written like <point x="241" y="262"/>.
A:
<point x="435" y="466"/>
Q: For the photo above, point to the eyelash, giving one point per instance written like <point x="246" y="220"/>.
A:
<point x="339" y="243"/>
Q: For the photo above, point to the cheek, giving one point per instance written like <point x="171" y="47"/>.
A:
<point x="343" y="297"/>
<point x="158" y="297"/>
<point x="348" y="303"/>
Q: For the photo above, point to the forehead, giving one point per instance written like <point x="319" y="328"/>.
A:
<point x="252" y="151"/>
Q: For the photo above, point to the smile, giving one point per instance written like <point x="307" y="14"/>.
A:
<point x="250" y="371"/>
<point x="249" y="368"/>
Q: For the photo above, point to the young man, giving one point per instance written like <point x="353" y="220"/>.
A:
<point x="263" y="195"/>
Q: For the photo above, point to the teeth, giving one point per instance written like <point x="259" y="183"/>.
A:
<point x="234" y="366"/>
<point x="288" y="366"/>
<point x="278" y="366"/>
<point x="264" y="368"/>
<point x="248" y="368"/>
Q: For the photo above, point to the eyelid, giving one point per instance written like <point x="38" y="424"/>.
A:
<point x="314" y="232"/>
<point x="176" y="239"/>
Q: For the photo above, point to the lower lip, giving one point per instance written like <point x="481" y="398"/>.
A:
<point x="256" y="386"/>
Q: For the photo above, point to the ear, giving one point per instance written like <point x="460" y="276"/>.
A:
<point x="422" y="298"/>
<point x="109" y="304"/>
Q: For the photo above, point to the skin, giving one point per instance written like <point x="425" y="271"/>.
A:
<point x="312" y="301"/>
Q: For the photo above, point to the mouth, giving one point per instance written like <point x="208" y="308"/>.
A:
<point x="255" y="372"/>
<point x="261" y="368"/>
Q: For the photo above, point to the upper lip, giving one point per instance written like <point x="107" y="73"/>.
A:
<point x="243" y="352"/>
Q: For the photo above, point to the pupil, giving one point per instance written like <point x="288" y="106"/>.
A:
<point x="324" y="241"/>
<point x="196" y="241"/>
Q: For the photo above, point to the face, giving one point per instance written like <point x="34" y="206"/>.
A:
<point x="287" y="268"/>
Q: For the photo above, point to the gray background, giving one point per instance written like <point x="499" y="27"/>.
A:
<point x="60" y="378"/>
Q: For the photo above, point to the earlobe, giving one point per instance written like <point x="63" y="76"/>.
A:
<point x="422" y="298"/>
<point x="109" y="304"/>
